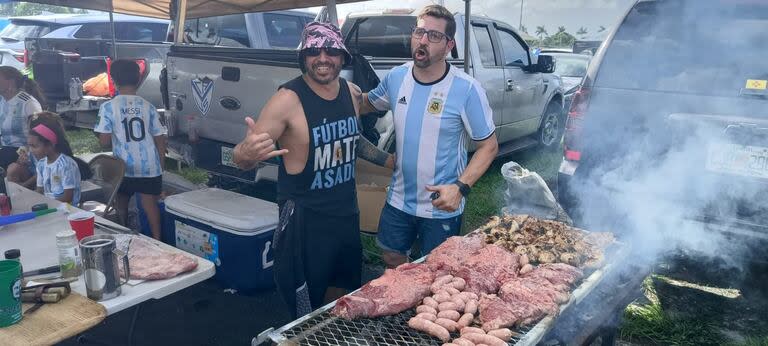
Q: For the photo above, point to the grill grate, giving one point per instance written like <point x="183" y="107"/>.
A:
<point x="326" y="329"/>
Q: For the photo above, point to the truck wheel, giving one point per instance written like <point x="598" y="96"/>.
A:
<point x="552" y="127"/>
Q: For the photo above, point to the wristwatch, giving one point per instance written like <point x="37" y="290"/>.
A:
<point x="463" y="188"/>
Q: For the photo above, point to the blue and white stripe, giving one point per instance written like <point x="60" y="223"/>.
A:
<point x="141" y="157"/>
<point x="14" y="116"/>
<point x="431" y="143"/>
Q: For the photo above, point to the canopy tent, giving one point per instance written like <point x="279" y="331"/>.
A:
<point x="195" y="8"/>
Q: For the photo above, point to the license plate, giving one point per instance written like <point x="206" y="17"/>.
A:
<point x="228" y="157"/>
<point x="744" y="160"/>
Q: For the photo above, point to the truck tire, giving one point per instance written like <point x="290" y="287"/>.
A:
<point x="552" y="127"/>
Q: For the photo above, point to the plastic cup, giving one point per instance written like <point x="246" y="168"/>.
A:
<point x="82" y="223"/>
<point x="10" y="292"/>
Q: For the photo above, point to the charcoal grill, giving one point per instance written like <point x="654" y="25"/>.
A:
<point x="321" y="328"/>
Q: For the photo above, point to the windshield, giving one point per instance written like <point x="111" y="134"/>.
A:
<point x="20" y="31"/>
<point x="384" y="36"/>
<point x="696" y="46"/>
<point x="570" y="66"/>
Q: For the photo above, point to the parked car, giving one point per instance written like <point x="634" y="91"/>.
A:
<point x="527" y="101"/>
<point x="75" y="26"/>
<point x="212" y="89"/>
<point x="571" y="68"/>
<point x="671" y="120"/>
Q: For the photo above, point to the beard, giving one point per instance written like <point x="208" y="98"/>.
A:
<point x="323" y="77"/>
<point x="421" y="56"/>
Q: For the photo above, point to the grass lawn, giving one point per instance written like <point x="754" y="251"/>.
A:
<point x="84" y="142"/>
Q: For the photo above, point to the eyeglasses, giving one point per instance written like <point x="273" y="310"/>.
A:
<point x="314" y="51"/>
<point x="432" y="35"/>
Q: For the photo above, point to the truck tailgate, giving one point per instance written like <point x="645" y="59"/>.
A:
<point x="213" y="88"/>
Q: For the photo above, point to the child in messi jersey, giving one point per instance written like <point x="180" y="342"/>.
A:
<point x="132" y="126"/>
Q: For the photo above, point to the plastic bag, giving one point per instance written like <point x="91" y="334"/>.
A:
<point x="527" y="193"/>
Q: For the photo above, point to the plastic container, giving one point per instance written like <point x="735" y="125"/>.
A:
<point x="233" y="231"/>
<point x="144" y="228"/>
<point x="70" y="262"/>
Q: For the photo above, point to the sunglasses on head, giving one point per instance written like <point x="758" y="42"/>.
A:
<point x="314" y="51"/>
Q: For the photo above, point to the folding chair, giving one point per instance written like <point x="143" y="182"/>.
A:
<point x="108" y="172"/>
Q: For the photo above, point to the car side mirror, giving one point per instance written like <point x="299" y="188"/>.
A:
<point x="545" y="64"/>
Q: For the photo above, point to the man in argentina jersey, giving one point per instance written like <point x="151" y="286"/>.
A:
<point x="436" y="107"/>
<point x="132" y="126"/>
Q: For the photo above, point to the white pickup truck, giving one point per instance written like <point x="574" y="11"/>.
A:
<point x="211" y="89"/>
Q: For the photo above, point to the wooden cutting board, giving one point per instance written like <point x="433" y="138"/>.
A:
<point x="53" y="323"/>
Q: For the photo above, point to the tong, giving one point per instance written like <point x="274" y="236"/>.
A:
<point x="44" y="293"/>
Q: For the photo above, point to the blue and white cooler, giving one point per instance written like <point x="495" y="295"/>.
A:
<point x="233" y="231"/>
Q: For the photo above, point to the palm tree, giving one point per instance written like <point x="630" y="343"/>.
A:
<point x="524" y="29"/>
<point x="560" y="29"/>
<point x="541" y="31"/>
<point x="582" y="31"/>
<point x="602" y="28"/>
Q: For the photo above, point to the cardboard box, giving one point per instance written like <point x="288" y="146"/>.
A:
<point x="372" y="182"/>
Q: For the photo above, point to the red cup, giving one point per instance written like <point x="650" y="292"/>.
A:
<point x="82" y="223"/>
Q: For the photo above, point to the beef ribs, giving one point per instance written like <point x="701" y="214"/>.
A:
<point x="497" y="313"/>
<point x="557" y="273"/>
<point x="486" y="269"/>
<point x="148" y="261"/>
<point x="516" y="291"/>
<point x="397" y="290"/>
<point x="448" y="257"/>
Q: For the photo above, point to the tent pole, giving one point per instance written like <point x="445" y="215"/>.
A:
<point x="114" y="39"/>
<point x="181" y="17"/>
<point x="467" y="28"/>
<point x="333" y="17"/>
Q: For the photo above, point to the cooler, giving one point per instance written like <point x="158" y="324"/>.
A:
<point x="233" y="231"/>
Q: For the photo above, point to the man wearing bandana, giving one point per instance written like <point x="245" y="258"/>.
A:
<point x="312" y="124"/>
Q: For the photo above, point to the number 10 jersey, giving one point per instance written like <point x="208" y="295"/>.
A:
<point x="133" y="123"/>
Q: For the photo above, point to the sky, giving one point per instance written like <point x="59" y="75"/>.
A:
<point x="572" y="14"/>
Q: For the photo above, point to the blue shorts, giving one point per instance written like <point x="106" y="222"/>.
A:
<point x="398" y="230"/>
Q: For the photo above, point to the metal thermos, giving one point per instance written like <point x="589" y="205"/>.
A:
<point x="101" y="269"/>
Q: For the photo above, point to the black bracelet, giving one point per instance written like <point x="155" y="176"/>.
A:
<point x="463" y="188"/>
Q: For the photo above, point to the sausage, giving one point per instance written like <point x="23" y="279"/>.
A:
<point x="470" y="330"/>
<point x="440" y="282"/>
<point x="451" y="290"/>
<point x="441" y="297"/>
<point x="504" y="334"/>
<point x="484" y="339"/>
<point x="471" y="307"/>
<point x="431" y="302"/>
<point x="466" y="296"/>
<point x="524" y="260"/>
<point x="526" y="269"/>
<point x="427" y="316"/>
<point x="465" y="320"/>
<point x="448" y="306"/>
<point x="459" y="303"/>
<point x="449" y="325"/>
<point x="426" y="309"/>
<point x="430" y="328"/>
<point x="459" y="283"/>
<point x="463" y="342"/>
<point x="449" y="314"/>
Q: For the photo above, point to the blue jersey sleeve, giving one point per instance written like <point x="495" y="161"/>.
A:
<point x="70" y="175"/>
<point x="106" y="117"/>
<point x="478" y="115"/>
<point x="155" y="127"/>
<point x="379" y="97"/>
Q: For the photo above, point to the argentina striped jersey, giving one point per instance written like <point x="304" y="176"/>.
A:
<point x="133" y="123"/>
<point x="432" y="123"/>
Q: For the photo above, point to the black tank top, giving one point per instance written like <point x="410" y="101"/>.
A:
<point x="327" y="183"/>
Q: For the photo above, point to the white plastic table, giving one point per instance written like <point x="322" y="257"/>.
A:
<point x="37" y="241"/>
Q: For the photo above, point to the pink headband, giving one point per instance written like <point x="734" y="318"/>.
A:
<point x="47" y="133"/>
